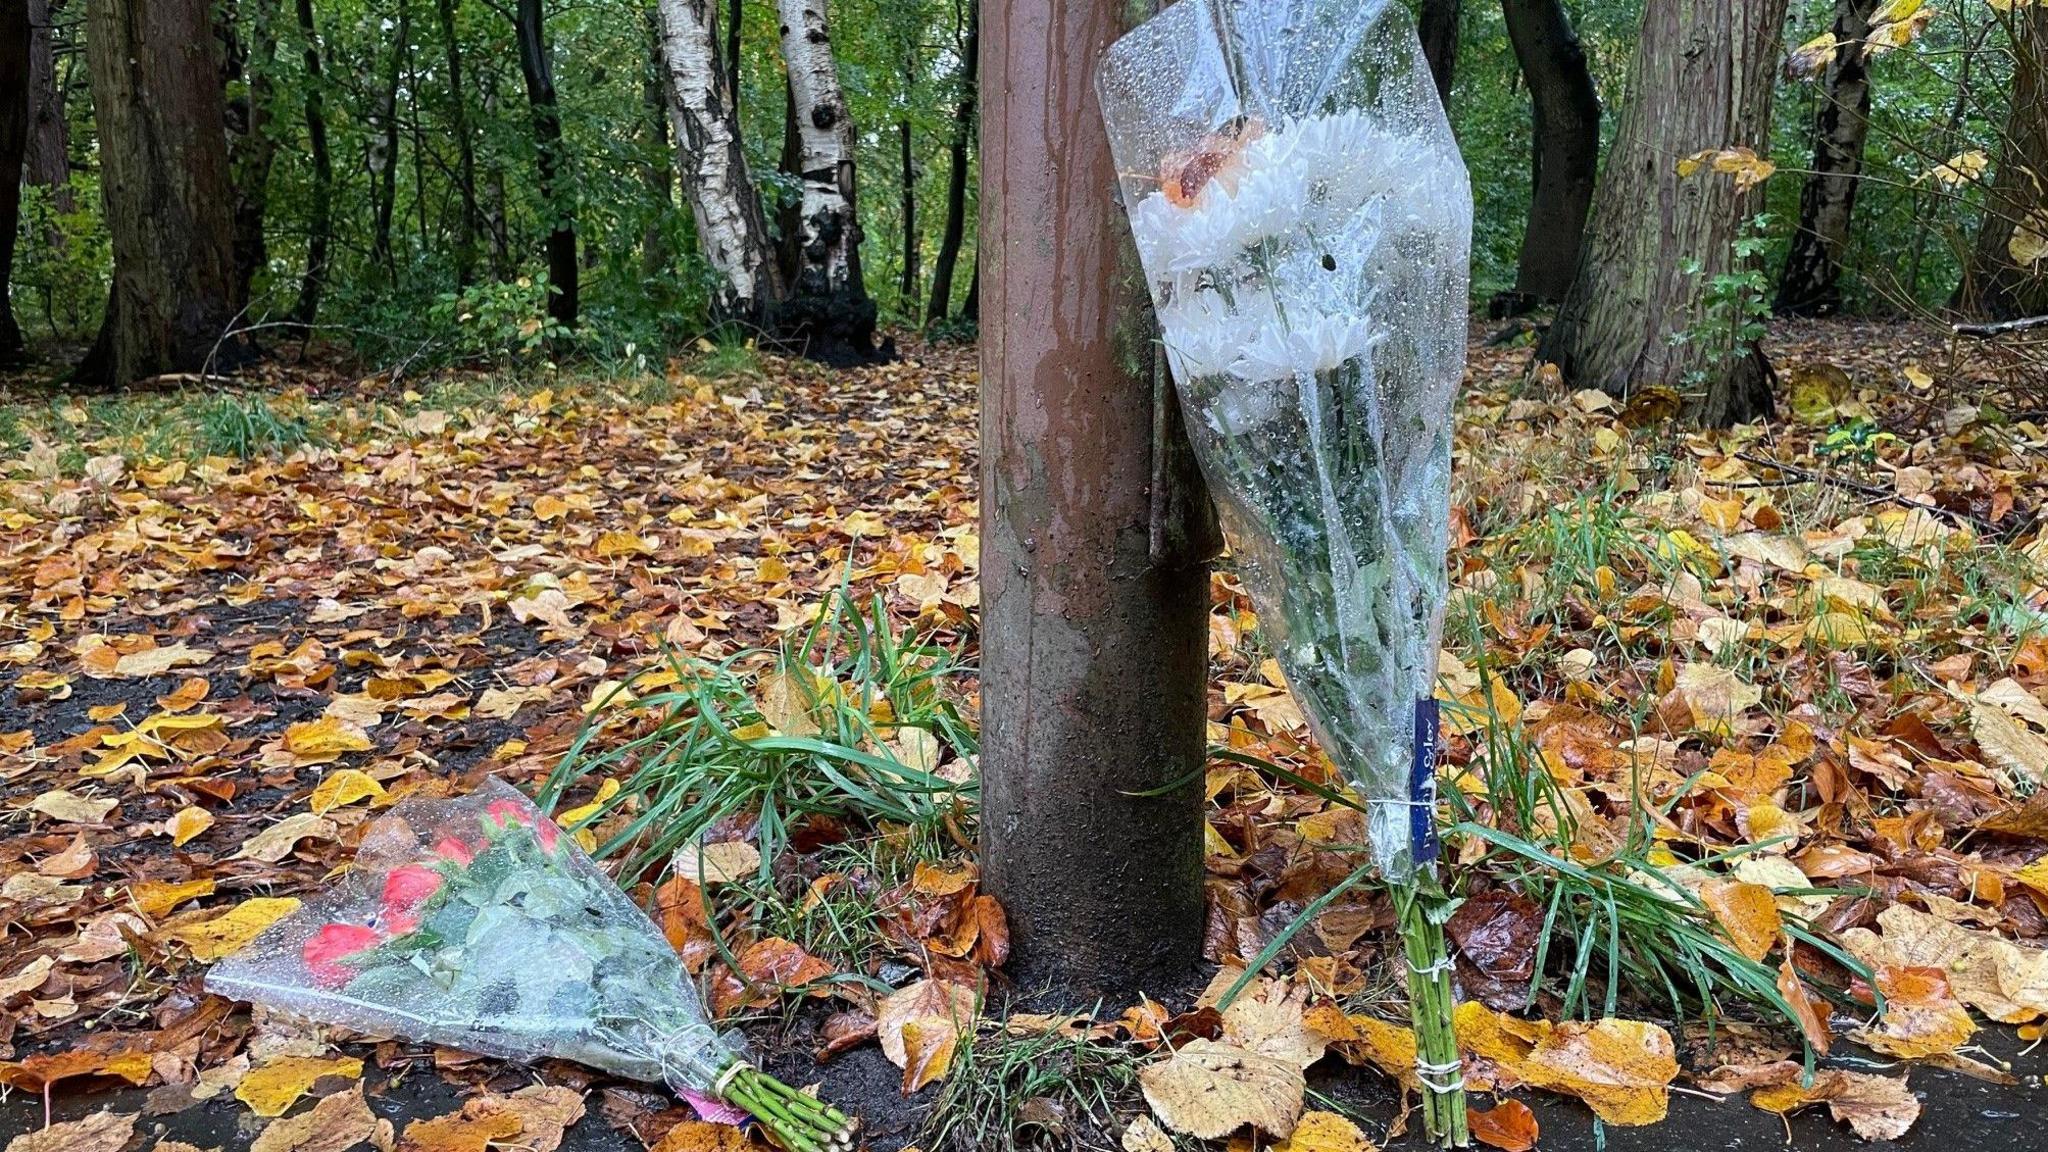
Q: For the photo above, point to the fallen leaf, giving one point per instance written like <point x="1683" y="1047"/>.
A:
<point x="1143" y="1134"/>
<point x="153" y="898"/>
<point x="67" y="807"/>
<point x="226" y="933"/>
<point x="1622" y="1069"/>
<point x="1921" y="1018"/>
<point x="945" y="1000"/>
<point x="343" y="787"/>
<point x="187" y="823"/>
<point x="2001" y="979"/>
<point x="100" y="1057"/>
<point x="1748" y="913"/>
<point x="698" y="1136"/>
<point x="720" y="862"/>
<point x="99" y="1132"/>
<point x="1876" y="1107"/>
<point x="277" y="841"/>
<point x="1324" y="1132"/>
<point x="1508" y="1125"/>
<point x="928" y="1046"/>
<point x="271" y="1089"/>
<point x="1208" y="1089"/>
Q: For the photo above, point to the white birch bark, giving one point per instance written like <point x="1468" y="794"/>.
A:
<point x="830" y="229"/>
<point x="713" y="164"/>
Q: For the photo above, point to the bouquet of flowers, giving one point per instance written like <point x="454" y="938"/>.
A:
<point x="1304" y="221"/>
<point x="477" y="924"/>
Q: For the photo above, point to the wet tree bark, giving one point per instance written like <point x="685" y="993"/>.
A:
<point x="157" y="97"/>
<point x="1637" y="312"/>
<point x="907" y="208"/>
<point x="827" y="313"/>
<point x="1810" y="284"/>
<point x="556" y="195"/>
<point x="254" y="150"/>
<point x="970" y="304"/>
<point x="320" y="225"/>
<point x="657" y="169"/>
<point x="964" y="116"/>
<point x="1093" y="644"/>
<point x="1565" y="148"/>
<point x="49" y="137"/>
<point x="15" y="113"/>
<point x="712" y="164"/>
<point x="1437" y="23"/>
<point x="465" y="146"/>
<point x="384" y="156"/>
<point x="735" y="18"/>
<point x="2008" y="274"/>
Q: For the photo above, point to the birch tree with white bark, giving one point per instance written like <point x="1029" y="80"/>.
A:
<point x="829" y="301"/>
<point x="712" y="162"/>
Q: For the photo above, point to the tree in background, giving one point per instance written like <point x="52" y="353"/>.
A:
<point x="712" y="162"/>
<point x="252" y="151"/>
<point x="320" y="229"/>
<point x="2007" y="278"/>
<point x="967" y="22"/>
<point x="828" y="302"/>
<point x="556" y="187"/>
<point x="1810" y="284"/>
<point x="49" y="137"/>
<point x="157" y="97"/>
<point x="1437" y="23"/>
<point x="1665" y="285"/>
<point x="14" y="131"/>
<point x="1565" y="153"/>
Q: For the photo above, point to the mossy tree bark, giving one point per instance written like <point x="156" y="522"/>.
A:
<point x="161" y="111"/>
<point x="2008" y="275"/>
<point x="1640" y="310"/>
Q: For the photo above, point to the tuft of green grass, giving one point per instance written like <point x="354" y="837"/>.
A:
<point x="246" y="426"/>
<point x="1048" y="1090"/>
<point x="729" y="357"/>
<point x="846" y="724"/>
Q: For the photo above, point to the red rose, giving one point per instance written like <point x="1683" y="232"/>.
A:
<point x="508" y="813"/>
<point x="326" y="949"/>
<point x="455" y="850"/>
<point x="406" y="890"/>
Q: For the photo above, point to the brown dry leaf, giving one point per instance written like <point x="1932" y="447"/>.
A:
<point x="31" y="977"/>
<point x="1209" y="1089"/>
<point x="1269" y="1018"/>
<point x="68" y="807"/>
<point x="788" y="703"/>
<point x="928" y="1046"/>
<point x="1509" y="1126"/>
<point x="1622" y="1069"/>
<point x="947" y="1001"/>
<point x="459" y="1132"/>
<point x="544" y="1112"/>
<point x="1921" y="1018"/>
<point x="1812" y="1024"/>
<point x="1748" y="913"/>
<point x="99" y="1132"/>
<point x="1143" y="1134"/>
<point x="277" y="841"/>
<point x="1995" y="976"/>
<point x="340" y="1121"/>
<point x="720" y="862"/>
<point x="1716" y="696"/>
<point x="272" y="1088"/>
<point x="1324" y="1132"/>
<point x="781" y="963"/>
<point x="228" y="932"/>
<point x="105" y="661"/>
<point x="100" y="1057"/>
<point x="1876" y="1107"/>
<point x="2007" y="743"/>
<point x="698" y="1136"/>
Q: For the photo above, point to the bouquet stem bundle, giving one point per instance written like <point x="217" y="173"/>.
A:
<point x="1421" y="909"/>
<point x="799" y="1121"/>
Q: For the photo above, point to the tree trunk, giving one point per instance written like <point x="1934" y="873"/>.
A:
<point x="164" y="174"/>
<point x="557" y="197"/>
<point x="907" y="290"/>
<point x="657" y="169"/>
<point x="964" y="116"/>
<point x="495" y="215"/>
<point x="254" y="148"/>
<point x="970" y="304"/>
<point x="15" y="112"/>
<point x="49" y="137"/>
<point x="384" y="150"/>
<point x="1093" y="645"/>
<point x="1565" y="149"/>
<point x="465" y="147"/>
<point x="320" y="227"/>
<point x="1640" y="311"/>
<point x="1438" y="25"/>
<point x="712" y="164"/>
<point x="1810" y="284"/>
<point x="828" y="313"/>
<point x="734" y="18"/>
<point x="2008" y="274"/>
<point x="788" y="212"/>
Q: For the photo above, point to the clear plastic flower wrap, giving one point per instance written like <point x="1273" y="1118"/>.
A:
<point x="1304" y="221"/>
<point x="476" y="923"/>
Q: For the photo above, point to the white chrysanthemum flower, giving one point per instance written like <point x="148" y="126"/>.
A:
<point x="1204" y="334"/>
<point x="1304" y="346"/>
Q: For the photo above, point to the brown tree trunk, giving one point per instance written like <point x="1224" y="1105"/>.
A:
<point x="157" y="98"/>
<point x="465" y="146"/>
<point x="1810" y="284"/>
<point x="557" y="197"/>
<point x="2002" y="283"/>
<point x="657" y="169"/>
<point x="827" y="313"/>
<point x="384" y="151"/>
<point x="320" y="226"/>
<point x="1093" y="645"/>
<point x="964" y="115"/>
<point x="49" y="136"/>
<point x="907" y="288"/>
<point x="734" y="17"/>
<point x="970" y="304"/>
<point x="254" y="147"/>
<point x="14" y="130"/>
<point x="1639" y="311"/>
<point x="1437" y="22"/>
<point x="1565" y="148"/>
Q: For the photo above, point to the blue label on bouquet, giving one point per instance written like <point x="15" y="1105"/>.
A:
<point x="1422" y="839"/>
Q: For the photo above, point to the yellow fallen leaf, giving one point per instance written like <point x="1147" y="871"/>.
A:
<point x="345" y="786"/>
<point x="719" y="862"/>
<point x="1748" y="913"/>
<point x="924" y="998"/>
<point x="1324" y="1132"/>
<point x="153" y="898"/>
<point x="340" y="1121"/>
<point x="212" y="939"/>
<point x="277" y="841"/>
<point x="1622" y="1069"/>
<point x="928" y="1046"/>
<point x="580" y="813"/>
<point x="1209" y="1089"/>
<point x="271" y="1089"/>
<point x="1877" y="1107"/>
<point x="186" y="823"/>
<point x="325" y="740"/>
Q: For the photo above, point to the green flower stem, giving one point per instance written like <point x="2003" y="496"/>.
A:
<point x="1422" y="908"/>
<point x="801" y="1122"/>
